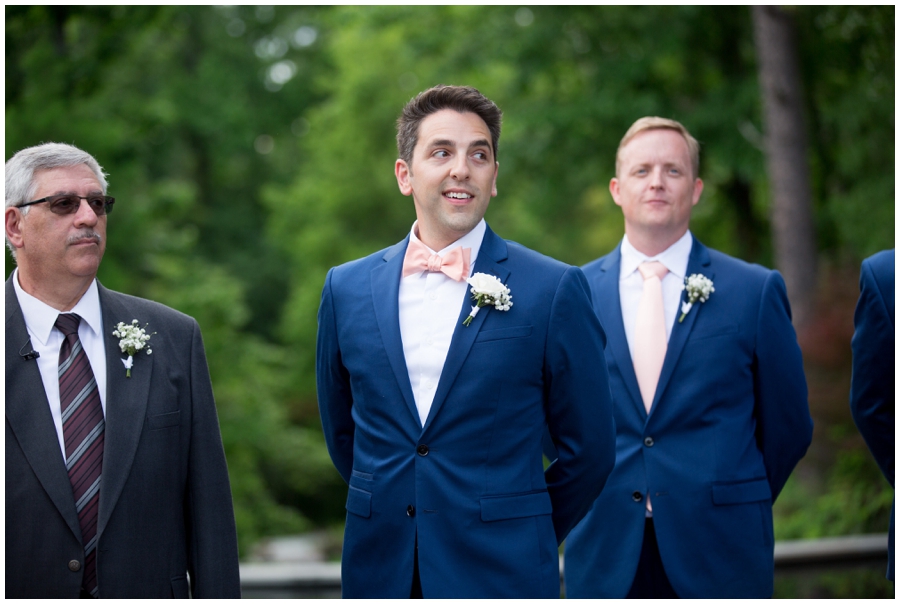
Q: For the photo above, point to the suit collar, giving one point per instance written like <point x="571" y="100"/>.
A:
<point x="385" y="299"/>
<point x="126" y="401"/>
<point x="609" y="307"/>
<point x="699" y="262"/>
<point x="28" y="416"/>
<point x="493" y="254"/>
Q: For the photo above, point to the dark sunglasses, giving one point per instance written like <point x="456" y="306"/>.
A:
<point x="69" y="204"/>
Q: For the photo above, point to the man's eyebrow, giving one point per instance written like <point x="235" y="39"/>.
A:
<point x="443" y="142"/>
<point x="73" y="192"/>
<point x="480" y="143"/>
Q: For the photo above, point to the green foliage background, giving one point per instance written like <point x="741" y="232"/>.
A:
<point x="252" y="148"/>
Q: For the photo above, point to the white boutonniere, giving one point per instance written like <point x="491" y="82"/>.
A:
<point x="131" y="340"/>
<point x="698" y="287"/>
<point x="487" y="290"/>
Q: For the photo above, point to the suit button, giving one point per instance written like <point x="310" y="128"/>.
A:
<point x="648" y="442"/>
<point x="74" y="566"/>
<point x="422" y="450"/>
<point x="637" y="496"/>
<point x="410" y="510"/>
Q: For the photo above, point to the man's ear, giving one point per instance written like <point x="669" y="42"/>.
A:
<point x="403" y="173"/>
<point x="614" y="190"/>
<point x="14" y="219"/>
<point x="494" y="183"/>
<point x="698" y="190"/>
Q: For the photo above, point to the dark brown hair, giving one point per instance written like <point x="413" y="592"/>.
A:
<point x="463" y="99"/>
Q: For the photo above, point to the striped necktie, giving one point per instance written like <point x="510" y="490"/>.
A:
<point x="83" y="426"/>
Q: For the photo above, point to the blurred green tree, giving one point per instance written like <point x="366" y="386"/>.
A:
<point x="251" y="148"/>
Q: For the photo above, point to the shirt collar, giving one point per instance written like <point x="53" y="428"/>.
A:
<point x="40" y="317"/>
<point x="674" y="258"/>
<point x="471" y="240"/>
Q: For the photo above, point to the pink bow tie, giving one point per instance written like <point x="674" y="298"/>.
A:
<point x="419" y="258"/>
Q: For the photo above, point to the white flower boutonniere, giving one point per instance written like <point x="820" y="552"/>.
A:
<point x="698" y="287"/>
<point x="487" y="290"/>
<point x="132" y="339"/>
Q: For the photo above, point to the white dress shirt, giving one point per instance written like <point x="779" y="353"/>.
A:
<point x="631" y="283"/>
<point x="46" y="339"/>
<point x="429" y="306"/>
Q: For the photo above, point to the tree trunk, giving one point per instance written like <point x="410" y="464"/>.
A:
<point x="794" y="235"/>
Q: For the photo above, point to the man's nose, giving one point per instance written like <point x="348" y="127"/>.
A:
<point x="460" y="169"/>
<point x="85" y="214"/>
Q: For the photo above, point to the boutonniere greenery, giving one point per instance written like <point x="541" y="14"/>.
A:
<point x="698" y="287"/>
<point x="132" y="339"/>
<point x="487" y="290"/>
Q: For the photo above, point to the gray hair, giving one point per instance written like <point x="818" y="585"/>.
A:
<point x="20" y="169"/>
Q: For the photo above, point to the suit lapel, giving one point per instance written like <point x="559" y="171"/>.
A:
<point x="126" y="401"/>
<point x="609" y="308"/>
<point x="385" y="300"/>
<point x="28" y="414"/>
<point x="697" y="263"/>
<point x="493" y="251"/>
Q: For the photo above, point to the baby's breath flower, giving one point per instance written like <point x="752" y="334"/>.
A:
<point x="132" y="339"/>
<point x="698" y="287"/>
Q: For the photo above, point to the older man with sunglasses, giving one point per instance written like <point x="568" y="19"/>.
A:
<point x="116" y="483"/>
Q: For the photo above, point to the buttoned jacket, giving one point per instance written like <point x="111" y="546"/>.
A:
<point x="728" y="423"/>
<point x="468" y="489"/>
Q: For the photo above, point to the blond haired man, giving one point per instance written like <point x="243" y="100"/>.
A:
<point x="709" y="394"/>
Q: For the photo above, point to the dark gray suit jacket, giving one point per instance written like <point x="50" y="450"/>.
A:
<point x="165" y="500"/>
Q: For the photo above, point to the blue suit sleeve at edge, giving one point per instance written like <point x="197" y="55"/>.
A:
<point x="872" y="396"/>
<point x="784" y="426"/>
<point x="333" y="387"/>
<point x="579" y="404"/>
<point x="213" y="561"/>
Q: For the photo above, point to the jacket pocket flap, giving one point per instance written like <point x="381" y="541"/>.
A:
<point x="164" y="420"/>
<point x="741" y="492"/>
<point x="713" y="331"/>
<point x="180" y="589"/>
<point x="359" y="502"/>
<point x="515" y="506"/>
<point x="523" y="331"/>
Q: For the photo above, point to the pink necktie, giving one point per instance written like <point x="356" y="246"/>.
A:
<point x="419" y="258"/>
<point x="650" y="332"/>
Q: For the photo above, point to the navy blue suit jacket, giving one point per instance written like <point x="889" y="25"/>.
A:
<point x="470" y="485"/>
<point x="872" y="385"/>
<point x="165" y="500"/>
<point x="728" y="423"/>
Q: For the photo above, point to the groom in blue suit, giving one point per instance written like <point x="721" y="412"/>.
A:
<point x="710" y="397"/>
<point x="434" y="409"/>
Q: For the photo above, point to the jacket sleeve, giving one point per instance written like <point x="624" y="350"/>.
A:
<point x="333" y="387"/>
<point x="872" y="384"/>
<point x="784" y="426"/>
<point x="209" y="513"/>
<point x="579" y="404"/>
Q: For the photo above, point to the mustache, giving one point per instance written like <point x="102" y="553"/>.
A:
<point x="82" y="235"/>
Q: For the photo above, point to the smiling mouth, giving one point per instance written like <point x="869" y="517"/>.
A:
<point x="458" y="196"/>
